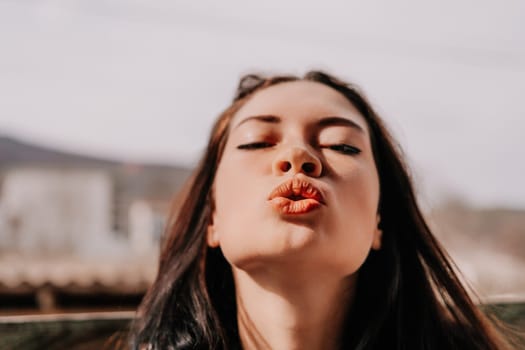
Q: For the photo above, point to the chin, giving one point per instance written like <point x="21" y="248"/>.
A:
<point x="297" y="239"/>
<point x="275" y="247"/>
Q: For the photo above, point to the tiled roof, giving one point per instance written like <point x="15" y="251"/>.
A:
<point x="130" y="274"/>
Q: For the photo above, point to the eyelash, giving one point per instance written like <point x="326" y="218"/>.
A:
<point x="341" y="148"/>
<point x="344" y="148"/>
<point x="255" y="145"/>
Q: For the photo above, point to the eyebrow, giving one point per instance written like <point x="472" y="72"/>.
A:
<point x="272" y="119"/>
<point x="339" y="121"/>
<point x="324" y="122"/>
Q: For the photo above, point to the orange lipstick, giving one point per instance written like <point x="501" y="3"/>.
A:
<point x="296" y="196"/>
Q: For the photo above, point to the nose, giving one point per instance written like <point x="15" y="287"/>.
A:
<point x="298" y="159"/>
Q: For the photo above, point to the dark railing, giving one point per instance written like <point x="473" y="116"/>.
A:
<point x="101" y="330"/>
<point x="85" y="331"/>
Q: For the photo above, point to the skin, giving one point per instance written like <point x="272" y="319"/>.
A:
<point x="295" y="272"/>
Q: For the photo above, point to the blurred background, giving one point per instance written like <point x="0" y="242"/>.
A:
<point x="106" y="105"/>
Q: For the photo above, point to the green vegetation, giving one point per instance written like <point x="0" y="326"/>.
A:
<point x="61" y="334"/>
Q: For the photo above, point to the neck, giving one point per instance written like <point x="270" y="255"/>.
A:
<point x="290" y="311"/>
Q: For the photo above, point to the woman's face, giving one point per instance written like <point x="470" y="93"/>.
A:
<point x="297" y="182"/>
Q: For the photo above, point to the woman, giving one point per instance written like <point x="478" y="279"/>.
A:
<point x="300" y="230"/>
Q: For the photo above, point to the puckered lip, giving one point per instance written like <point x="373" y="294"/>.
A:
<point x="297" y="188"/>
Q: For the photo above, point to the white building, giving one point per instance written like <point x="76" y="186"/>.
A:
<point x="50" y="211"/>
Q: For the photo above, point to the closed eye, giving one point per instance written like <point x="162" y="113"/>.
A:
<point x="344" y="149"/>
<point x="255" y="145"/>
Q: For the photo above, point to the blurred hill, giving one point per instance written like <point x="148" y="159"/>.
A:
<point x="487" y="244"/>
<point x="14" y="151"/>
<point x="136" y="179"/>
<point x="498" y="229"/>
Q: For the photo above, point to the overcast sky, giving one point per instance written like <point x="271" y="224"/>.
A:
<point x="144" y="79"/>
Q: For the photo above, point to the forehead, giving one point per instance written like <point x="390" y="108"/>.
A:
<point x="299" y="99"/>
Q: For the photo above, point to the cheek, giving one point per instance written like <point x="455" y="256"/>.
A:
<point x="230" y="197"/>
<point x="238" y="181"/>
<point x="354" y="220"/>
<point x="226" y="188"/>
<point x="358" y="188"/>
<point x="239" y="200"/>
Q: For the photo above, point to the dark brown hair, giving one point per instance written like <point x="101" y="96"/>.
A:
<point x="408" y="295"/>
